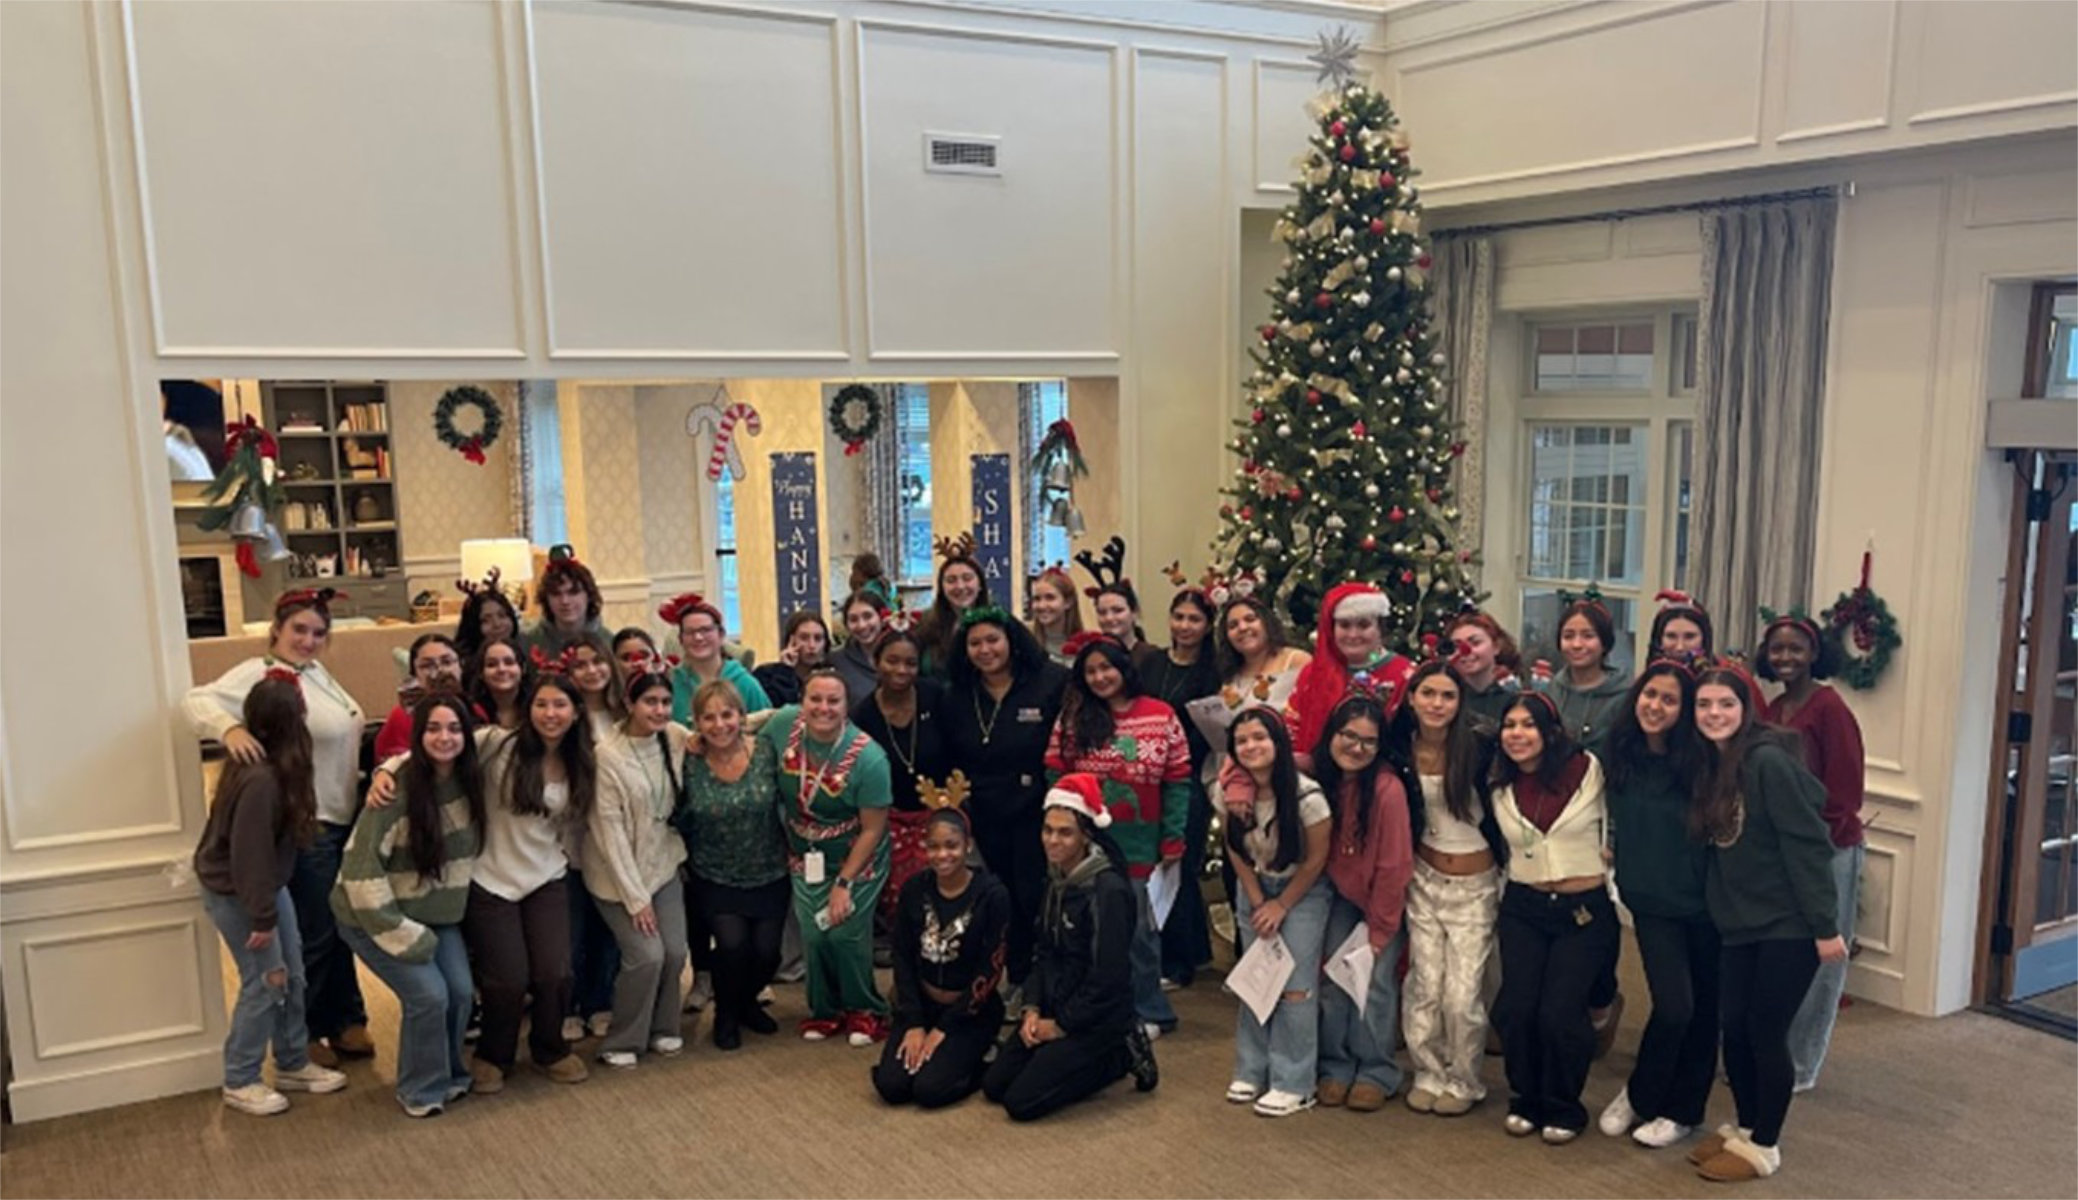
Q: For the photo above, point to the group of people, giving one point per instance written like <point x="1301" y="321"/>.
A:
<point x="560" y="818"/>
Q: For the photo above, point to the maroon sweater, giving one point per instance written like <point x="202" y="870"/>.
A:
<point x="1833" y="750"/>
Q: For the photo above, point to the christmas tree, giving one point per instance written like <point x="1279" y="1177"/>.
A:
<point x="1347" y="453"/>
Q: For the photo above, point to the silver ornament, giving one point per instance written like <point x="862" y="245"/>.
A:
<point x="1284" y="431"/>
<point x="1363" y="262"/>
<point x="1370" y="491"/>
<point x="1393" y="272"/>
<point x="1361" y="299"/>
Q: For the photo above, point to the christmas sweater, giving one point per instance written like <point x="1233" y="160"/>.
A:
<point x="1145" y="770"/>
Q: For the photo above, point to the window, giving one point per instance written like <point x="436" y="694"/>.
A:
<point x="1607" y="426"/>
<point x="548" y="518"/>
<point x="1040" y="404"/>
<point x="730" y="601"/>
<point x="911" y="405"/>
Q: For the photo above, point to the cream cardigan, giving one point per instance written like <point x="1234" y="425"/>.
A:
<point x="632" y="850"/>
<point x="1572" y="848"/>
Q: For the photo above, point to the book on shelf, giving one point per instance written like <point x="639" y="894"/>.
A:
<point x="365" y="418"/>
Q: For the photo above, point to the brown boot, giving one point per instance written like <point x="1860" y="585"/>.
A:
<point x="354" y="1042"/>
<point x="567" y="1069"/>
<point x="1366" y="1097"/>
<point x="485" y="1079"/>
<point x="1710" y="1147"/>
<point x="1330" y="1093"/>
<point x="323" y="1055"/>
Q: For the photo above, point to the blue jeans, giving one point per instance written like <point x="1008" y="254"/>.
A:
<point x="1358" y="1048"/>
<point x="334" y="991"/>
<point x="266" y="1013"/>
<point x="595" y="957"/>
<point x="1812" y="1030"/>
<point x="1150" y="1004"/>
<point x="1284" y="1055"/>
<point x="435" y="999"/>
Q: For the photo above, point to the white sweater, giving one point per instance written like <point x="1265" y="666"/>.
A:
<point x="336" y="725"/>
<point x="631" y="849"/>
<point x="1573" y="845"/>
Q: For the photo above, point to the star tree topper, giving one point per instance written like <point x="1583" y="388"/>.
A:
<point x="1336" y="58"/>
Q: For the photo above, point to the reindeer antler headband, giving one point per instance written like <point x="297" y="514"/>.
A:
<point x="471" y="588"/>
<point x="953" y="549"/>
<point x="1108" y="569"/>
<point x="558" y="665"/>
<point x="1590" y="596"/>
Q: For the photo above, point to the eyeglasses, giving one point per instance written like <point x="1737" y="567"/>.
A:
<point x="702" y="631"/>
<point x="1358" y="741"/>
<point x="443" y="663"/>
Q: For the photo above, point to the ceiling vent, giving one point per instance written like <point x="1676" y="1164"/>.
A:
<point x="962" y="154"/>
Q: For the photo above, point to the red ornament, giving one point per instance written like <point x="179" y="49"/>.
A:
<point x="1464" y="556"/>
<point x="1292" y="493"/>
<point x="1397" y="514"/>
<point x="1347" y="153"/>
<point x="1407" y="576"/>
<point x="1226" y="510"/>
<point x="1386" y="180"/>
<point x="1360" y="431"/>
<point x="1249" y="467"/>
<point x="1369" y="542"/>
<point x="1423" y="262"/>
<point x="1435" y="495"/>
<point x="1247" y="513"/>
<point x="1269" y="333"/>
<point x="1323" y="300"/>
<point x="1257" y="416"/>
<point x="1457" y="449"/>
<point x="1313" y="395"/>
<point x="1377" y="225"/>
<point x="1338" y="129"/>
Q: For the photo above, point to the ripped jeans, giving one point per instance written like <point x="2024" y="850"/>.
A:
<point x="267" y="1012"/>
<point x="1284" y="1055"/>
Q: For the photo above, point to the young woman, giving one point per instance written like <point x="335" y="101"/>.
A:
<point x="263" y="813"/>
<point x="1558" y="927"/>
<point x="570" y="605"/>
<point x="496" y="678"/>
<point x="1454" y="897"/>
<point x="402" y="889"/>
<point x="1650" y="758"/>
<point x="1076" y="1031"/>
<point x="997" y="717"/>
<point x="487" y="616"/>
<point x="1370" y="863"/>
<point x="1349" y="643"/>
<point x="804" y="646"/>
<point x="1589" y="692"/>
<point x="1056" y="612"/>
<point x="1681" y="629"/>
<point x="899" y="715"/>
<point x="435" y="665"/>
<point x="833" y="797"/>
<point x="864" y="621"/>
<point x="1187" y="673"/>
<point x="737" y="861"/>
<point x="635" y="652"/>
<point x="335" y="1016"/>
<point x="1278" y="840"/>
<point x="948" y="945"/>
<point x="590" y="665"/>
<point x="1117" y="607"/>
<point x="1486" y="658"/>
<point x="960" y="589"/>
<point x="1795" y="654"/>
<point x="699" y="626"/>
<point x="1770" y="892"/>
<point x="1134" y="745"/>
<point x="631" y="861"/>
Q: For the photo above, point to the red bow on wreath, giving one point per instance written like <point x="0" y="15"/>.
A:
<point x="473" y="451"/>
<point x="250" y="430"/>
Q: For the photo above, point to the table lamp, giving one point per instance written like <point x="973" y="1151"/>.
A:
<point x="513" y="558"/>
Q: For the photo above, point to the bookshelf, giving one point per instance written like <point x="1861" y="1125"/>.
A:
<point x="339" y="476"/>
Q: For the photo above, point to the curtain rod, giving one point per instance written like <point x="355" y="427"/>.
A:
<point x="1623" y="214"/>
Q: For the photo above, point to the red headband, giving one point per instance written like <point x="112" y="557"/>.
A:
<point x="318" y="598"/>
<point x="558" y="665"/>
<point x="675" y="609"/>
<point x="1074" y="646"/>
<point x="1808" y="626"/>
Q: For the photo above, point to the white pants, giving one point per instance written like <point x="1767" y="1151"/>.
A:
<point x="1450" y="937"/>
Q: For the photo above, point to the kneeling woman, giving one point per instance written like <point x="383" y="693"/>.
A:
<point x="1076" y="1034"/>
<point x="948" y="943"/>
<point x="1558" y="925"/>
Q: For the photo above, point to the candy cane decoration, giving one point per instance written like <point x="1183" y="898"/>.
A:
<point x="724" y="422"/>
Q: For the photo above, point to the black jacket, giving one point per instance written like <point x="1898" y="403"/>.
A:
<point x="1008" y="770"/>
<point x="953" y="945"/>
<point x="1082" y="975"/>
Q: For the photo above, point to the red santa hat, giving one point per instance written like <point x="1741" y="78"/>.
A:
<point x="1079" y="792"/>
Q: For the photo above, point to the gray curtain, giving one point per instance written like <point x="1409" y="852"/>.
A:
<point x="1463" y="287"/>
<point x="1767" y="277"/>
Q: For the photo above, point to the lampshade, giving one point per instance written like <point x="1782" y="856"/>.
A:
<point x="513" y="557"/>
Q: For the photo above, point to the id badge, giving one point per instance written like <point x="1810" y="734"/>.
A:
<point x="812" y="867"/>
<point x="1581" y="916"/>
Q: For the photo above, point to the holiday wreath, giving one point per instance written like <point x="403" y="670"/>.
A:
<point x="855" y="416"/>
<point x="1866" y="631"/>
<point x="471" y="445"/>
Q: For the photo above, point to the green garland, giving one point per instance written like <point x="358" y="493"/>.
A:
<point x="855" y="413"/>
<point x="470" y="445"/>
<point x="1867" y="634"/>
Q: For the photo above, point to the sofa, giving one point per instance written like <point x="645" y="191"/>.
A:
<point x="363" y="656"/>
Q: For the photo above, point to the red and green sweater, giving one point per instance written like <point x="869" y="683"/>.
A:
<point x="1146" y="775"/>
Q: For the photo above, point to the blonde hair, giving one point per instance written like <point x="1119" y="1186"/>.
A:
<point x="717" y="689"/>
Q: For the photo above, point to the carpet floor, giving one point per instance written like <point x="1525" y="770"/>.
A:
<point x="1968" y="1105"/>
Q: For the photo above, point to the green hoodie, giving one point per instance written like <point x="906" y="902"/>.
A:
<point x="1587" y="713"/>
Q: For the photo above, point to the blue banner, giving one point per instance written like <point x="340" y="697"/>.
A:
<point x="796" y="536"/>
<point x="992" y="525"/>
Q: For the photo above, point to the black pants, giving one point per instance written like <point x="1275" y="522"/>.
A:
<point x="595" y="956"/>
<point x="953" y="1071"/>
<point x="1549" y="963"/>
<point x="332" y="990"/>
<point x="747" y="926"/>
<point x="1010" y="847"/>
<point x="1764" y="983"/>
<point x="1187" y="938"/>
<point x="1678" y="1053"/>
<point x="516" y="948"/>
<point x="1031" y="1083"/>
<point x="1604" y="992"/>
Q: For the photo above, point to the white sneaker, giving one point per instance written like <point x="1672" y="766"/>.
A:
<point x="1659" y="1133"/>
<point x="1518" y="1126"/>
<point x="702" y="994"/>
<point x="600" y="1023"/>
<point x="620" y="1060"/>
<point x="257" y="1099"/>
<point x="419" y="1112"/>
<point x="1242" y="1093"/>
<point x="573" y="1029"/>
<point x="1152" y="1030"/>
<point x="1277" y="1103"/>
<point x="309" y="1078"/>
<point x="667" y="1046"/>
<point x="1618" y="1118"/>
<point x="1555" y="1136"/>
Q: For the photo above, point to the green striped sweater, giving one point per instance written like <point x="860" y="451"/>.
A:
<point x="379" y="890"/>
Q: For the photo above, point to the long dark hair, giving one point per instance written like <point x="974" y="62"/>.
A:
<point x="1086" y="721"/>
<point x="1685" y="612"/>
<point x="469" y="626"/>
<point x="478" y="693"/>
<point x="1027" y="657"/>
<point x="426" y="838"/>
<point x="276" y="718"/>
<point x="616" y="697"/>
<point x="940" y="628"/>
<point x="1229" y="659"/>
<point x="1464" y="750"/>
<point x="1714" y="815"/>
<point x="525" y="780"/>
<point x="1123" y="589"/>
<point x="1284" y="786"/>
<point x="1627" y="748"/>
<point x="1559" y="747"/>
<point x="639" y="686"/>
<point x="1203" y="603"/>
<point x="1328" y="773"/>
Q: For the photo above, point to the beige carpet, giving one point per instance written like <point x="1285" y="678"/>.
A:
<point x="1965" y="1106"/>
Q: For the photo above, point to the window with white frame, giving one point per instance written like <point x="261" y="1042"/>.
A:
<point x="1607" y="417"/>
<point x="548" y="518"/>
<point x="1040" y="404"/>
<point x="911" y="405"/>
<point x="730" y="599"/>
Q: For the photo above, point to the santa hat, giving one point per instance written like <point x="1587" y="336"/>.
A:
<point x="1079" y="792"/>
<point x="1359" y="600"/>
